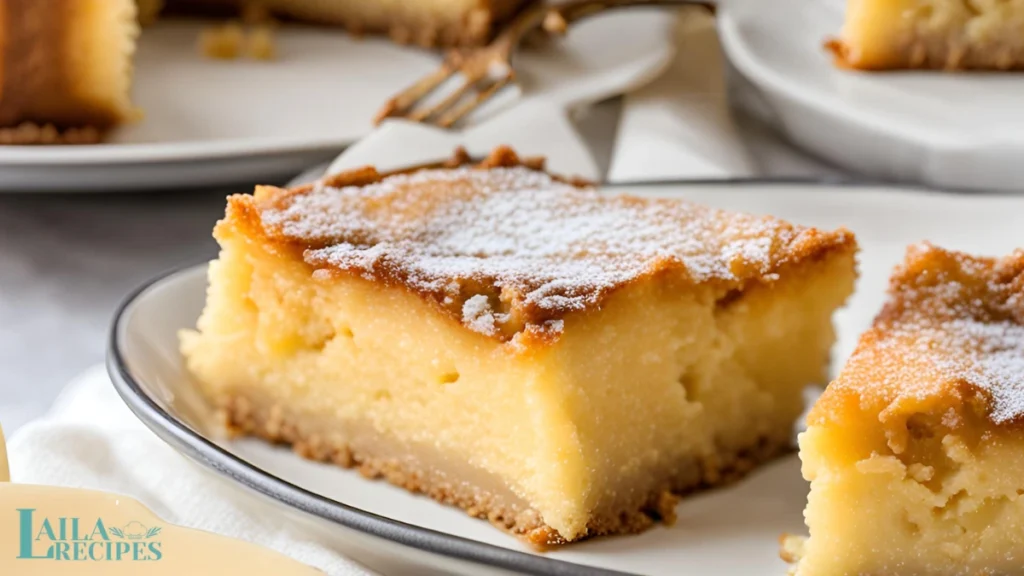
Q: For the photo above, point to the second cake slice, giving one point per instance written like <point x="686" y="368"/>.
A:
<point x="551" y="358"/>
<point x="915" y="453"/>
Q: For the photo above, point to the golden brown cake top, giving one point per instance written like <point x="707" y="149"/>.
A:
<point x="950" y="336"/>
<point x="506" y="247"/>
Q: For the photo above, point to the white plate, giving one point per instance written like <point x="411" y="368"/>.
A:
<point x="947" y="130"/>
<point x="728" y="531"/>
<point x="212" y="122"/>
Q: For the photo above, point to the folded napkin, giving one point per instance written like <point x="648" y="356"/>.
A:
<point x="90" y="439"/>
<point x="682" y="126"/>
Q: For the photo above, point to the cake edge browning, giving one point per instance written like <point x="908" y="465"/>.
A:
<point x="248" y="415"/>
<point x="244" y="210"/>
<point x="924" y="55"/>
<point x="992" y="287"/>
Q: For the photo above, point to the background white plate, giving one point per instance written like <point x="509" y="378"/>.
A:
<point x="948" y="130"/>
<point x="725" y="532"/>
<point x="212" y="122"/>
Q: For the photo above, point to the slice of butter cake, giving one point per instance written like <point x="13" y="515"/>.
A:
<point x="548" y="357"/>
<point x="935" y="34"/>
<point x="915" y="453"/>
<point x="66" y="69"/>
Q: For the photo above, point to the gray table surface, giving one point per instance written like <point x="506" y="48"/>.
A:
<point x="65" y="264"/>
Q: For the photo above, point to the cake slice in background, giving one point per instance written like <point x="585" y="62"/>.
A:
<point x="556" y="360"/>
<point x="66" y="70"/>
<point x="932" y="34"/>
<point x="915" y="453"/>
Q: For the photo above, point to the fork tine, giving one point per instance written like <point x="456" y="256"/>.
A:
<point x="401" y="102"/>
<point x="453" y="116"/>
<point x="448" y="101"/>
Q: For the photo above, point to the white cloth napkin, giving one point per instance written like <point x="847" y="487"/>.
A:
<point x="90" y="439"/>
<point x="682" y="127"/>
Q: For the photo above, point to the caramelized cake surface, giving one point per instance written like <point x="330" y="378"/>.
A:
<point x="536" y="247"/>
<point x="914" y="453"/>
<point x="953" y="328"/>
<point x="556" y="360"/>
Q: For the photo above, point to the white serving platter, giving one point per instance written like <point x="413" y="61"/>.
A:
<point x="730" y="531"/>
<point x="947" y="130"/>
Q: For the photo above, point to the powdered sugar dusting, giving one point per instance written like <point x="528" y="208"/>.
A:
<point x="993" y="360"/>
<point x="952" y="320"/>
<point x="540" y="247"/>
<point x="478" y="315"/>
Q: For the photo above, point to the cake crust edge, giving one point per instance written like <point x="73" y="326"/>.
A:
<point x="924" y="53"/>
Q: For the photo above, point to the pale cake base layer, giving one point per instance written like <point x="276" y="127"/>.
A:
<point x="951" y="503"/>
<point x="423" y="470"/>
<point x="932" y="34"/>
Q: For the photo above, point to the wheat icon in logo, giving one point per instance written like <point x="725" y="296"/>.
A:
<point x="135" y="530"/>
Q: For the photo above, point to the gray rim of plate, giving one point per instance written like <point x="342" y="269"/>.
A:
<point x="180" y="436"/>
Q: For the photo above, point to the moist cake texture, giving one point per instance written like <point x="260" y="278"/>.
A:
<point x="559" y="361"/>
<point x="935" y="34"/>
<point x="915" y="453"/>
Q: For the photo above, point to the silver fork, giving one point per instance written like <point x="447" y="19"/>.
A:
<point x="486" y="70"/>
